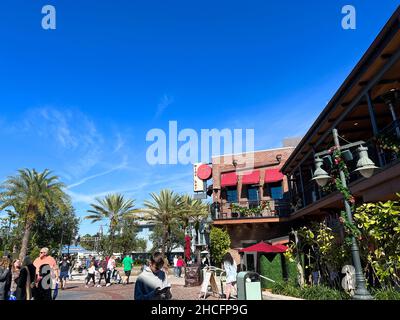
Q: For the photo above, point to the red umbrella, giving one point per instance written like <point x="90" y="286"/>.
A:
<point x="281" y="246"/>
<point x="265" y="248"/>
<point x="187" y="247"/>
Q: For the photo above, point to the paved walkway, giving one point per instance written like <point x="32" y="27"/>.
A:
<point x="75" y="290"/>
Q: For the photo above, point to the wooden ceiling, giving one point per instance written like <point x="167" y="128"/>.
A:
<point x="356" y="125"/>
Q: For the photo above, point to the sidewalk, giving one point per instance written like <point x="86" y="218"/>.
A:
<point x="81" y="277"/>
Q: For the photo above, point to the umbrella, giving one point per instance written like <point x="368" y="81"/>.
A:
<point x="265" y="248"/>
<point x="187" y="247"/>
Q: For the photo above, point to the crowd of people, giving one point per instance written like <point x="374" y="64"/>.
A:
<point x="40" y="279"/>
<point x="26" y="280"/>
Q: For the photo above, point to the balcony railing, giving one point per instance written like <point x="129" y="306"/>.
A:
<point x="382" y="154"/>
<point x="254" y="209"/>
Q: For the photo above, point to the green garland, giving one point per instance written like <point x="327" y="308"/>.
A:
<point x="388" y="142"/>
<point x="336" y="184"/>
<point x="250" y="212"/>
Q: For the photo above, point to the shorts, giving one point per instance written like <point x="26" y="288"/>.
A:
<point x="128" y="273"/>
<point x="64" y="275"/>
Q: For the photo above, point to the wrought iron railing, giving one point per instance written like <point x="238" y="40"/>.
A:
<point x="255" y="209"/>
<point x="383" y="150"/>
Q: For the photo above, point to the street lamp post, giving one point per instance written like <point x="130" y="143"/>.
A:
<point x="365" y="167"/>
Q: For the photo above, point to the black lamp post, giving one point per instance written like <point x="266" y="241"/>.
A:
<point x="365" y="167"/>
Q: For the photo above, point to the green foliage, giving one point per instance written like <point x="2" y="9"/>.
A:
<point x="176" y="239"/>
<point x="286" y="288"/>
<point x="388" y="142"/>
<point x="55" y="228"/>
<point x="173" y="215"/>
<point x="115" y="208"/>
<point x="220" y="243"/>
<point x="162" y="210"/>
<point x="251" y="212"/>
<point x="319" y="238"/>
<point x="379" y="224"/>
<point x="273" y="270"/>
<point x="308" y="292"/>
<point x="322" y="293"/>
<point x="386" y="294"/>
<point x="33" y="194"/>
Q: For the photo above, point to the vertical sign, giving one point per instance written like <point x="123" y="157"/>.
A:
<point x="198" y="184"/>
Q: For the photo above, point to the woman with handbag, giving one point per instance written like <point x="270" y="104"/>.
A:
<point x="26" y="280"/>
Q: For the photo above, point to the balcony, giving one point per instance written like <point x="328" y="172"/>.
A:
<point x="383" y="150"/>
<point x="259" y="209"/>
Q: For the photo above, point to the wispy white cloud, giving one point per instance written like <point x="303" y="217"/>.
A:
<point x="174" y="182"/>
<point x="120" y="143"/>
<point x="164" y="103"/>
<point x="101" y="174"/>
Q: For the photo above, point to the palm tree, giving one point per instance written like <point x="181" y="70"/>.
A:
<point x="163" y="210"/>
<point x="113" y="207"/>
<point x="32" y="194"/>
<point x="192" y="212"/>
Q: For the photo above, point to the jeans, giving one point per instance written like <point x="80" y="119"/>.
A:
<point x="103" y="275"/>
<point x="90" y="276"/>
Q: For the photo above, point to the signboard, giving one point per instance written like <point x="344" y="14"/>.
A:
<point x="200" y="196"/>
<point x="209" y="279"/>
<point x="198" y="184"/>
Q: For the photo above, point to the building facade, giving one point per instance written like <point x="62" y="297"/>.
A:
<point x="251" y="200"/>
<point x="365" y="108"/>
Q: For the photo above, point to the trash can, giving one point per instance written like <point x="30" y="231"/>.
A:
<point x="249" y="286"/>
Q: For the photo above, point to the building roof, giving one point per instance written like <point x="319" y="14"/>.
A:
<point x="384" y="51"/>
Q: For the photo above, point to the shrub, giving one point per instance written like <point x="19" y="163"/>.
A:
<point x="309" y="292"/>
<point x="322" y="293"/>
<point x="286" y="288"/>
<point x="220" y="243"/>
<point x="273" y="270"/>
<point x="386" y="294"/>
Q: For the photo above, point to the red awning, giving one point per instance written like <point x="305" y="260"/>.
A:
<point x="229" y="179"/>
<point x="273" y="175"/>
<point x="251" y="178"/>
<point x="265" y="247"/>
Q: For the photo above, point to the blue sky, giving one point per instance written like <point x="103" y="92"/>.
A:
<point x="80" y="99"/>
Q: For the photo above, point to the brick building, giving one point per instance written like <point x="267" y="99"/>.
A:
<point x="252" y="196"/>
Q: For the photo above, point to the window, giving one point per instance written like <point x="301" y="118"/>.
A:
<point x="252" y="193"/>
<point x="231" y="195"/>
<point x="274" y="190"/>
<point x="252" y="196"/>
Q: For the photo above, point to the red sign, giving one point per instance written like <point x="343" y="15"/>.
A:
<point x="204" y="172"/>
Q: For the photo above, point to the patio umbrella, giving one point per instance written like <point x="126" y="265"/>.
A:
<point x="187" y="247"/>
<point x="263" y="247"/>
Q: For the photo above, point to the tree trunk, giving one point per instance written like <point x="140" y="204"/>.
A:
<point x="25" y="239"/>
<point x="112" y="242"/>
<point x="164" y="242"/>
